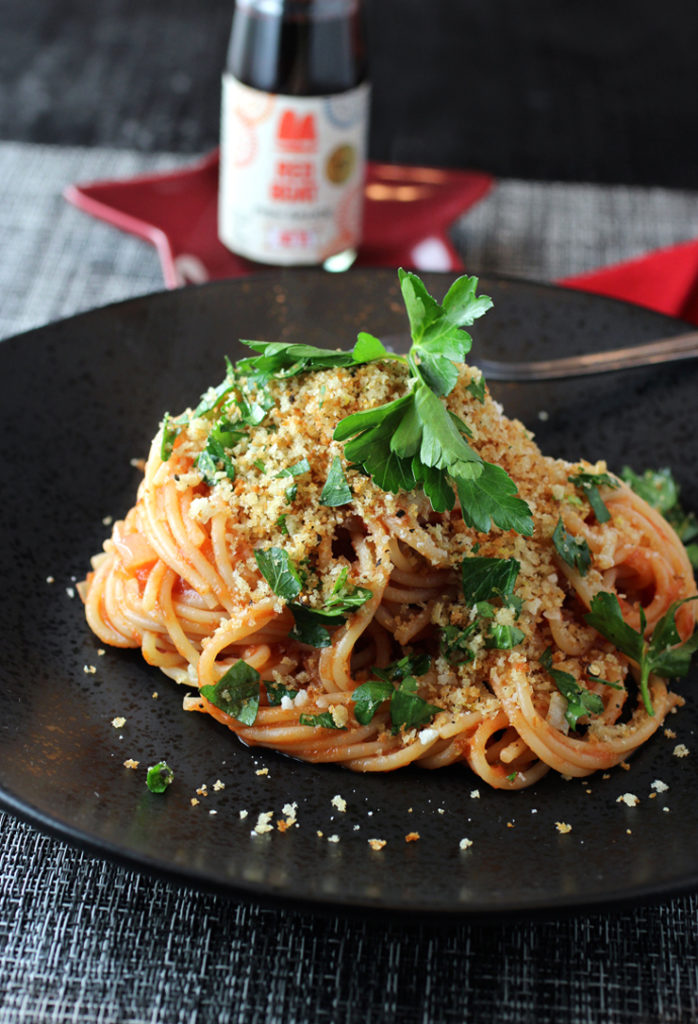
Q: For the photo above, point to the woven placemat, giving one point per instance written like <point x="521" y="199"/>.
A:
<point x="86" y="940"/>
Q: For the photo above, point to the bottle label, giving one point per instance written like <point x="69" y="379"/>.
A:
<point x="292" y="173"/>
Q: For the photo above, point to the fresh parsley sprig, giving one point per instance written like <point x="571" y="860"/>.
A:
<point x="415" y="441"/>
<point x="663" y="654"/>
<point x="281" y="359"/>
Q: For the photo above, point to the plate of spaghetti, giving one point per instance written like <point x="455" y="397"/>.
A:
<point x="301" y="615"/>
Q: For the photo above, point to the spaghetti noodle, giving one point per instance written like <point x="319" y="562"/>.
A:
<point x="311" y="611"/>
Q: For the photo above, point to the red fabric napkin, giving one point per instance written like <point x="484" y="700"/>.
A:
<point x="665" y="280"/>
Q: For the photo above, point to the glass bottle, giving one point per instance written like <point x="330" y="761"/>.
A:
<point x="294" y="121"/>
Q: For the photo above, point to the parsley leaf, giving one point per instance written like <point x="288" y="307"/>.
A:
<point x="484" y="578"/>
<point x="322" y="721"/>
<point x="408" y="665"/>
<point x="369" y="696"/>
<point x="210" y="399"/>
<point x="277" y="691"/>
<point x="454" y="646"/>
<point x="606" y="617"/>
<point x="279" y="359"/>
<point x="579" y="701"/>
<point x="572" y="551"/>
<point x="503" y="637"/>
<point x="170" y="433"/>
<point x="368" y="348"/>
<point x="346" y="595"/>
<point x="476" y="387"/>
<point x="214" y="457"/>
<point x="491" y="497"/>
<point x="336" y="491"/>
<point x="279" y="571"/>
<point x="311" y="624"/>
<point x="589" y="483"/>
<point x="658" y="488"/>
<point x="406" y="706"/>
<point x="159" y="777"/>
<point x="236" y="692"/>
<point x="297" y="469"/>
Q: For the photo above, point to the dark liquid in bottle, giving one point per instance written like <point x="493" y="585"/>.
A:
<point x="298" y="47"/>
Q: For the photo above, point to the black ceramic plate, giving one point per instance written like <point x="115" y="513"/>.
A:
<point x="80" y="399"/>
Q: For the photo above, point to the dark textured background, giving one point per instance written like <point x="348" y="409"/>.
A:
<point x="575" y="90"/>
<point x="579" y="91"/>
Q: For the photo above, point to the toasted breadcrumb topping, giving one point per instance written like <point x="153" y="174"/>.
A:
<point x="269" y="507"/>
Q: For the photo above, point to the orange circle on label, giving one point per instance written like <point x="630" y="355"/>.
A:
<point x="340" y="164"/>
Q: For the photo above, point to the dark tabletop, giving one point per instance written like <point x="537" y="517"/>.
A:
<point x="537" y="94"/>
<point x="584" y="90"/>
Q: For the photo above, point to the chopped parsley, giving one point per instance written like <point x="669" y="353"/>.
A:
<point x="277" y="691"/>
<point x="311" y="624"/>
<point x="503" y="637"/>
<point x="589" y="484"/>
<point x="345" y="595"/>
<point x="279" y="571"/>
<point x="486" y="578"/>
<point x="297" y="469"/>
<point x="573" y="551"/>
<point x="407" y="709"/>
<point x="454" y="643"/>
<point x="159" y="777"/>
<point x="321" y="721"/>
<point x="580" y="701"/>
<point x="336" y="491"/>
<point x="236" y="692"/>
<point x="170" y="433"/>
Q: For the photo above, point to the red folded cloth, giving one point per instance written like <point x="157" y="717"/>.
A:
<point x="665" y="280"/>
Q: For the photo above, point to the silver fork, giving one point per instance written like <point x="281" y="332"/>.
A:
<point x="650" y="353"/>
